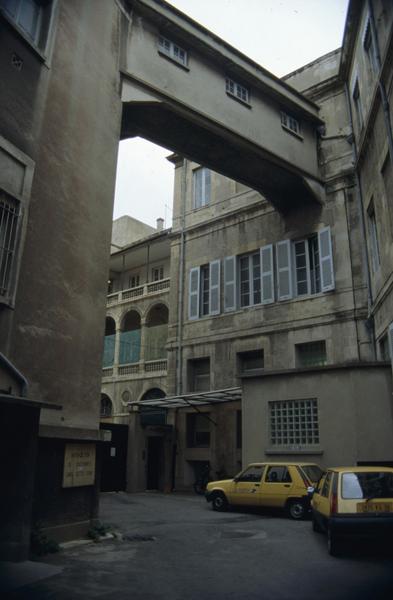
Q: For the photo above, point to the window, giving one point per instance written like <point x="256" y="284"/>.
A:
<point x="251" y="474"/>
<point x="9" y="215"/>
<point x="199" y="375"/>
<point x="250" y="279"/>
<point x="369" y="47"/>
<point x="201" y="186"/>
<point x="157" y="273"/>
<point x="294" y="423"/>
<point x="289" y="122"/>
<point x="204" y="290"/>
<point x="373" y="237"/>
<point x="326" y="484"/>
<point x="238" y="429"/>
<point x="173" y="51"/>
<point x="133" y="281"/>
<point x="238" y="91"/>
<point x="198" y="430"/>
<point x="358" y="105"/>
<point x="278" y="474"/>
<point x="305" y="267"/>
<point x="253" y="359"/>
<point x="31" y="17"/>
<point x="106" y="406"/>
<point x="311" y="354"/>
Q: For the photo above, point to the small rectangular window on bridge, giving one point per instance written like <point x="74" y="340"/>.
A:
<point x="238" y="91"/>
<point x="173" y="51"/>
<point x="290" y="123"/>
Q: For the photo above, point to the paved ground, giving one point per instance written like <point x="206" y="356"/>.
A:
<point x="176" y="547"/>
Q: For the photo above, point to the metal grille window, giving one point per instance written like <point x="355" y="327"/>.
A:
<point x="237" y="90"/>
<point x="9" y="214"/>
<point x="294" y="422"/>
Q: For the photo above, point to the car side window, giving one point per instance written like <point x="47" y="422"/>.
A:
<point x="278" y="474"/>
<point x="326" y="485"/>
<point x="252" y="474"/>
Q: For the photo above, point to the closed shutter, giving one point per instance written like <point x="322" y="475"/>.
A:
<point x="214" y="297"/>
<point x="193" y="296"/>
<point x="229" y="283"/>
<point x="267" y="277"/>
<point x="326" y="259"/>
<point x="284" y="275"/>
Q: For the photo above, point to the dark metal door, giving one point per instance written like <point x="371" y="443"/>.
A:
<point x="114" y="458"/>
<point x="155" y="461"/>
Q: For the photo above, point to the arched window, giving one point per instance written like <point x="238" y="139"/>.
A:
<point x="106" y="406"/>
<point x="109" y="343"/>
<point x="156" y="332"/>
<point x="130" y="338"/>
<point x="152" y="415"/>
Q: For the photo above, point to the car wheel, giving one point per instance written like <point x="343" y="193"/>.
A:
<point x="219" y="502"/>
<point x="333" y="543"/>
<point x="296" y="509"/>
<point x="315" y="525"/>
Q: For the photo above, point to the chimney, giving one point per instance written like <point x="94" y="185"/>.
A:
<point x="160" y="224"/>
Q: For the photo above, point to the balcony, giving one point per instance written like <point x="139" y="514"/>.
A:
<point x="136" y="370"/>
<point x="137" y="293"/>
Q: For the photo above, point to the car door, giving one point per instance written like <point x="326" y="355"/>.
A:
<point x="244" y="490"/>
<point x="276" y="486"/>
<point x="321" y="500"/>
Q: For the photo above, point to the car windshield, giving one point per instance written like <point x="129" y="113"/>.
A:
<point x="313" y="472"/>
<point x="367" y="485"/>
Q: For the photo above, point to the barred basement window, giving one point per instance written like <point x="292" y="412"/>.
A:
<point x="294" y="422"/>
<point x="9" y="215"/>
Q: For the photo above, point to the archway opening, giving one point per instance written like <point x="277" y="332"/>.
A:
<point x="156" y="333"/>
<point x="130" y="338"/>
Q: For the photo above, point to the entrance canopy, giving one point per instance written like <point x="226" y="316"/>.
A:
<point x="195" y="399"/>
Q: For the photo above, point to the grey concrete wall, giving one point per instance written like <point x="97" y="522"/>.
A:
<point x="354" y="409"/>
<point x="126" y="230"/>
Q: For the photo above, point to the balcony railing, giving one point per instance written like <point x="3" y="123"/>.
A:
<point x="139" y="292"/>
<point x="136" y="369"/>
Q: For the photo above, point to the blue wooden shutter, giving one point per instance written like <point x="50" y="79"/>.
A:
<point x="284" y="270"/>
<point x="229" y="283"/>
<point x="267" y="276"/>
<point x="193" y="296"/>
<point x="326" y="259"/>
<point x="214" y="295"/>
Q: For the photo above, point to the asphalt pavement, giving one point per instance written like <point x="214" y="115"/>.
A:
<point x="174" y="546"/>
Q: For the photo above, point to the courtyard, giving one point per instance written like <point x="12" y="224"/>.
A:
<point x="174" y="546"/>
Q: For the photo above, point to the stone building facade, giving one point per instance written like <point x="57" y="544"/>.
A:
<point x="293" y="305"/>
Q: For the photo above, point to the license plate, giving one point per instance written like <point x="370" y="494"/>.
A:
<point x="374" y="507"/>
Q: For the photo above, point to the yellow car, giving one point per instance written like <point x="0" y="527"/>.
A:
<point x="353" y="502"/>
<point x="280" y="485"/>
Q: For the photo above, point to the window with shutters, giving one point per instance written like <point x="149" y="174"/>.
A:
<point x="201" y="178"/>
<point x="305" y="267"/>
<point x="369" y="48"/>
<point x="204" y="290"/>
<point x="249" y="279"/>
<point x="157" y="273"/>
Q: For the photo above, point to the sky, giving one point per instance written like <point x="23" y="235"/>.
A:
<point x="280" y="35"/>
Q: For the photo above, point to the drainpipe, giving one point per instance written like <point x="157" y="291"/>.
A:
<point x="381" y="86"/>
<point x="362" y="222"/>
<point x="183" y="193"/>
<point x="15" y="372"/>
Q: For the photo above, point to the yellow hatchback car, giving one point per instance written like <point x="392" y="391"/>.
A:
<point x="280" y="485"/>
<point x="353" y="503"/>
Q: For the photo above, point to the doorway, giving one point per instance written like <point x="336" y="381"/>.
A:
<point x="155" y="462"/>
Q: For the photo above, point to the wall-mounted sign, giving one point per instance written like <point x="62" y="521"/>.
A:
<point x="79" y="465"/>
